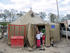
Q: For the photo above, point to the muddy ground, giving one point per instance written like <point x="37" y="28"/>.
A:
<point x="61" y="47"/>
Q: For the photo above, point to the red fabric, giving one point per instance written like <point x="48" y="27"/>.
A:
<point x="43" y="37"/>
<point x="38" y="43"/>
<point x="17" y="41"/>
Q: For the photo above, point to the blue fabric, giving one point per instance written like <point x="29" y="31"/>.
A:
<point x="53" y="26"/>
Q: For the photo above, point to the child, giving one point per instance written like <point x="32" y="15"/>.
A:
<point x="43" y="39"/>
<point x="38" y="39"/>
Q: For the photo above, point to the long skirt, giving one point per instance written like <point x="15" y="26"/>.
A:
<point x="38" y="43"/>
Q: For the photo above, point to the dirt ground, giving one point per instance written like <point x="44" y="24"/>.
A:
<point x="62" y="47"/>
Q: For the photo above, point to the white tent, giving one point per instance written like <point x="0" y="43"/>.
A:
<point x="28" y="18"/>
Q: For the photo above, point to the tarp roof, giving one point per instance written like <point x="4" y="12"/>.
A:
<point x="28" y="19"/>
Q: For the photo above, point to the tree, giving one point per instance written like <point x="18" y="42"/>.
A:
<point x="6" y="14"/>
<point x="13" y="14"/>
<point x="43" y="15"/>
<point x="68" y="16"/>
<point x="52" y="17"/>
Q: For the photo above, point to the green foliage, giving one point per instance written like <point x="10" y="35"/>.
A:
<point x="52" y="17"/>
<point x="43" y="30"/>
<point x="43" y="14"/>
<point x="4" y="23"/>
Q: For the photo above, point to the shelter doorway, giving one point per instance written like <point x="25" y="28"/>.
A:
<point x="41" y="29"/>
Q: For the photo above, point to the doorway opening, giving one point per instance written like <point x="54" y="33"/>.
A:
<point x="41" y="29"/>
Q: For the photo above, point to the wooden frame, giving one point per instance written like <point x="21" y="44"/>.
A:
<point x="19" y="30"/>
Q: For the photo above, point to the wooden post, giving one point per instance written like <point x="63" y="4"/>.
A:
<point x="66" y="25"/>
<point x="66" y="34"/>
<point x="47" y="27"/>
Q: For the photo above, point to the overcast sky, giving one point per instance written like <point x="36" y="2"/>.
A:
<point x="37" y="5"/>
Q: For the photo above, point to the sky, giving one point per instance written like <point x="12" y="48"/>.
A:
<point x="48" y="6"/>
